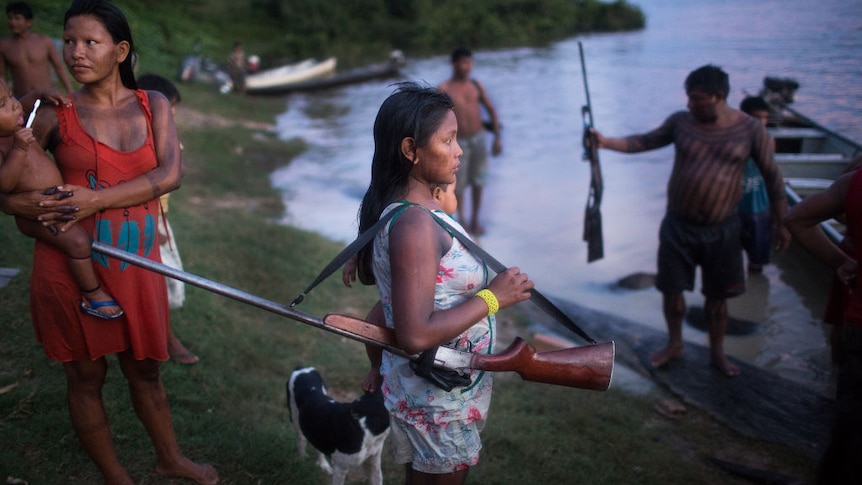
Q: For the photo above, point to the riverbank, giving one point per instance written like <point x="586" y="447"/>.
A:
<point x="229" y="409"/>
<point x="356" y="33"/>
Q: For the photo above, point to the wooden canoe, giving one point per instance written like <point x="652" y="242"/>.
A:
<point x="288" y="75"/>
<point x="809" y="155"/>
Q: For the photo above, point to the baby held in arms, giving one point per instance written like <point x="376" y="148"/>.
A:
<point x="24" y="167"/>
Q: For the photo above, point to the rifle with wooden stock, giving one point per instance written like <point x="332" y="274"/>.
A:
<point x="592" y="214"/>
<point x="589" y="367"/>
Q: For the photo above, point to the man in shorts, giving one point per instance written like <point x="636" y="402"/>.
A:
<point x="468" y="95"/>
<point x="713" y="143"/>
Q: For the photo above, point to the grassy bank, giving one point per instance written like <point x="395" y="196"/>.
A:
<point x="229" y="409"/>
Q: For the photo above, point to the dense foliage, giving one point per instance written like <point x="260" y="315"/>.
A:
<point x="354" y="30"/>
<point x="438" y="25"/>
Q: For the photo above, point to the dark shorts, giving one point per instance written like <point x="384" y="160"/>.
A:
<point x="757" y="237"/>
<point x="716" y="248"/>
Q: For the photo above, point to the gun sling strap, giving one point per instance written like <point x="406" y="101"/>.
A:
<point x="535" y="296"/>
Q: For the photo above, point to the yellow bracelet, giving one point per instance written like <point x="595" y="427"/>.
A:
<point x="490" y="300"/>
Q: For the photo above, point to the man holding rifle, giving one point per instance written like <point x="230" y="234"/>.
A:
<point x="712" y="144"/>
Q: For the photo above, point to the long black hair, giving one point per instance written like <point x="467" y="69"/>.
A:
<point x="116" y="24"/>
<point x="412" y="111"/>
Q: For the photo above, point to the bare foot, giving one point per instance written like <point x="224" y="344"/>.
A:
<point x="665" y="355"/>
<point x="477" y="229"/>
<point x="97" y="299"/>
<point x="119" y="479"/>
<point x="185" y="468"/>
<point x="726" y="366"/>
<point x="670" y="408"/>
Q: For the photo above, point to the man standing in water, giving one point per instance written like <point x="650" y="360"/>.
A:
<point x="28" y="55"/>
<point x="701" y="227"/>
<point x="468" y="94"/>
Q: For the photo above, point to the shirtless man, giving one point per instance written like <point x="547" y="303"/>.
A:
<point x="701" y="227"/>
<point x="28" y="55"/>
<point x="467" y="94"/>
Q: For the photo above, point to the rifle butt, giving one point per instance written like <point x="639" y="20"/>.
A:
<point x="593" y="235"/>
<point x="589" y="367"/>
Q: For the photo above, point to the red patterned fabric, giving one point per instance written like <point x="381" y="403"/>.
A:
<point x="65" y="332"/>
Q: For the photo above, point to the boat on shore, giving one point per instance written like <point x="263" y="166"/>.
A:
<point x="288" y="75"/>
<point x="809" y="155"/>
<point x="382" y="70"/>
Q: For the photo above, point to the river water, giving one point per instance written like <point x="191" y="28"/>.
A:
<point x="533" y="207"/>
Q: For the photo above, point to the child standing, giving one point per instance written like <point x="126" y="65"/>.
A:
<point x="754" y="206"/>
<point x="178" y="352"/>
<point x="26" y="167"/>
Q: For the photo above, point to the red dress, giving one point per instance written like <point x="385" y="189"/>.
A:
<point x="66" y="333"/>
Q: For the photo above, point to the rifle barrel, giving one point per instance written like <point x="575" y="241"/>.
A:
<point x="235" y="294"/>
<point x="586" y="86"/>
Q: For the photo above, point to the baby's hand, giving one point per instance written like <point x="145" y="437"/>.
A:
<point x="348" y="273"/>
<point x="372" y="380"/>
<point x="23" y="138"/>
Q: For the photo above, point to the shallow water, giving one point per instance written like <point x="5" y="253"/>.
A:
<point x="533" y="207"/>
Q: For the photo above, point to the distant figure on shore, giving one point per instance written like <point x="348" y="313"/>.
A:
<point x="757" y="223"/>
<point x="701" y="227"/>
<point x="842" y="460"/>
<point x="29" y="56"/>
<point x="468" y="95"/>
<point x="236" y="67"/>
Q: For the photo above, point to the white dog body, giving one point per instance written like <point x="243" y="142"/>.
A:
<point x="349" y="434"/>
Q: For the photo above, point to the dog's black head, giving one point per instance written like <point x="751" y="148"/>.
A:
<point x="303" y="383"/>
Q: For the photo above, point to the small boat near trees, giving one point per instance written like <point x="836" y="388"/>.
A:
<point x="809" y="155"/>
<point x="288" y="75"/>
<point x="382" y="70"/>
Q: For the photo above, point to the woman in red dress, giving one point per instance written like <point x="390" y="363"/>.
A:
<point x="117" y="149"/>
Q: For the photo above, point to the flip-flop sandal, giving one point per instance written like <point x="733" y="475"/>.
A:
<point x="92" y="308"/>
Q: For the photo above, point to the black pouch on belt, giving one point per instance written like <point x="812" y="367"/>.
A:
<point x="446" y="379"/>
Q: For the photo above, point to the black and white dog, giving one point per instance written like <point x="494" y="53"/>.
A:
<point x="349" y="434"/>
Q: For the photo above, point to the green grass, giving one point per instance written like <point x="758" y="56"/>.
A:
<point x="229" y="409"/>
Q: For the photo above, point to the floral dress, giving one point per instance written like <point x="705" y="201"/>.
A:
<point x="430" y="411"/>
